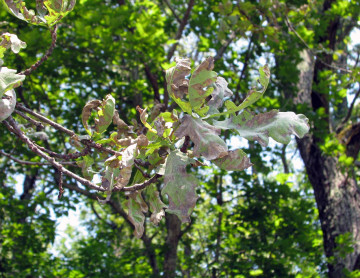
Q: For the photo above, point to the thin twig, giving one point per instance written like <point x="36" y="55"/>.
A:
<point x="61" y="189"/>
<point x="69" y="156"/>
<point x="47" y="54"/>
<point x="13" y="127"/>
<point x="351" y="107"/>
<point x="145" y="175"/>
<point x="139" y="186"/>
<point x="45" y="120"/>
<point x="24" y="162"/>
<point x="30" y="120"/>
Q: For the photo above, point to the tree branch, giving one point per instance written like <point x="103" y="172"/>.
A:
<point x="181" y="29"/>
<point x="13" y="127"/>
<point x="47" y="54"/>
<point x="173" y="11"/>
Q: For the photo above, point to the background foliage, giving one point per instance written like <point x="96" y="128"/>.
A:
<point x="260" y="222"/>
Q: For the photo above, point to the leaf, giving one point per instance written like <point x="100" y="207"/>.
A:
<point x="7" y="41"/>
<point x="107" y="182"/>
<point x="58" y="9"/>
<point x="86" y="113"/>
<point x="156" y="205"/>
<point x="252" y="95"/>
<point x="136" y="209"/>
<point x="7" y="104"/>
<point x="105" y="113"/>
<point x="177" y="84"/>
<point x="220" y="92"/>
<point x="199" y="85"/>
<point x="179" y="185"/>
<point x="50" y="12"/>
<point x="143" y="118"/>
<point x="205" y="137"/>
<point x="86" y="166"/>
<point x="278" y="125"/>
<point x="235" y="160"/>
<point x="9" y="80"/>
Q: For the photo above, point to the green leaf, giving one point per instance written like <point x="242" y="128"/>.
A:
<point x="179" y="185"/>
<point x="235" y="160"/>
<point x="199" y="85"/>
<point x="177" y="84"/>
<point x="7" y="104"/>
<point x="143" y="119"/>
<point x="252" y="96"/>
<point x="57" y="9"/>
<point x="105" y="114"/>
<point x="9" y="80"/>
<point x="86" y="166"/>
<point x="156" y="205"/>
<point x="278" y="125"/>
<point x="136" y="209"/>
<point x="205" y="137"/>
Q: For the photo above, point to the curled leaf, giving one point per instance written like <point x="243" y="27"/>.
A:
<point x="179" y="185"/>
<point x="220" y="92"/>
<point x="86" y="113"/>
<point x="143" y="118"/>
<point x="177" y="84"/>
<point x="205" y="137"/>
<point x="7" y="41"/>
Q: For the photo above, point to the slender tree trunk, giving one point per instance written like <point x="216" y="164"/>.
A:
<point x="173" y="226"/>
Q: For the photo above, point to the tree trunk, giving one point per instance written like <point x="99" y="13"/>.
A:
<point x="336" y="193"/>
<point x="173" y="226"/>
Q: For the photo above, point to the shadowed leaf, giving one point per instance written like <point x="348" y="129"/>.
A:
<point x="136" y="209"/>
<point x="156" y="205"/>
<point x="179" y="186"/>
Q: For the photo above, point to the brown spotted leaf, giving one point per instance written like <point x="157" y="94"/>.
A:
<point x="179" y="185"/>
<point x="199" y="85"/>
<point x="235" y="160"/>
<point x="177" y="84"/>
<point x="205" y="137"/>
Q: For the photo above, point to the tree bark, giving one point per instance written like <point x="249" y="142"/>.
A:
<point x="173" y="226"/>
<point x="336" y="193"/>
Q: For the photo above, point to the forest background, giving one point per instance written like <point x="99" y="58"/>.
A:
<point x="273" y="220"/>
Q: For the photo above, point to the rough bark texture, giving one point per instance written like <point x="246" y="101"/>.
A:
<point x="173" y="226"/>
<point x="336" y="192"/>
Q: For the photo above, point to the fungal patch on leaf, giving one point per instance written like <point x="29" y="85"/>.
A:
<point x="9" y="80"/>
<point x="277" y="125"/>
<point x="179" y="186"/>
<point x="156" y="205"/>
<point x="205" y="137"/>
<point x="136" y="208"/>
<point x="235" y="160"/>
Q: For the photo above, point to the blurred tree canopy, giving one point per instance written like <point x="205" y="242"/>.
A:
<point x="280" y="218"/>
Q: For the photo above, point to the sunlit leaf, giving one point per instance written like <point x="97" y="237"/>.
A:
<point x="9" y="80"/>
<point x="105" y="113"/>
<point x="205" y="137"/>
<point x="7" y="41"/>
<point x="277" y="125"/>
<point x="7" y="104"/>
<point x="179" y="185"/>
